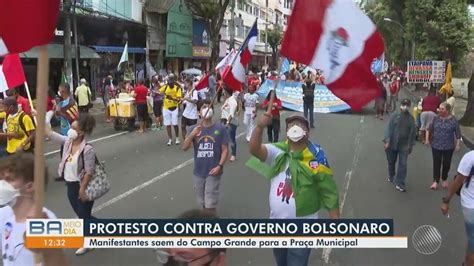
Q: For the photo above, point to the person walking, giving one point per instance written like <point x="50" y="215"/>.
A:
<point x="451" y="101"/>
<point x="308" y="100"/>
<point x="399" y="139"/>
<point x="273" y="129"/>
<point x="211" y="150"/>
<point x="230" y="118"/>
<point x="380" y="101"/>
<point x="394" y="90"/>
<point x="140" y="94"/>
<point x="429" y="106"/>
<point x="463" y="187"/>
<point x="83" y="96"/>
<point x="288" y="165"/>
<point x="157" y="101"/>
<point x="67" y="109"/>
<point x="173" y="94"/>
<point x="20" y="133"/>
<point x="107" y="93"/>
<point x="445" y="136"/>
<point x="190" y="113"/>
<point x="250" y="114"/>
<point x="77" y="165"/>
<point x="21" y="101"/>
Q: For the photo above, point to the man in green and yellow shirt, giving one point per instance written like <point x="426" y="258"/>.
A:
<point x="173" y="93"/>
<point x="20" y="131"/>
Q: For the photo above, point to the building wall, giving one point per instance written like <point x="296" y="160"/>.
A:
<point x="124" y="9"/>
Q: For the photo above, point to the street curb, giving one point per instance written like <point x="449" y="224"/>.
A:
<point x="468" y="142"/>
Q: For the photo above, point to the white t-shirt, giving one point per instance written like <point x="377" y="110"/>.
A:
<point x="70" y="169"/>
<point x="14" y="252"/>
<point x="466" y="168"/>
<point x="191" y="111"/>
<point x="251" y="101"/>
<point x="230" y="109"/>
<point x="282" y="203"/>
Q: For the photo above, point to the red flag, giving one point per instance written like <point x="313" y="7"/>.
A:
<point x="26" y="23"/>
<point x="11" y="73"/>
<point x="203" y="83"/>
<point x="324" y="37"/>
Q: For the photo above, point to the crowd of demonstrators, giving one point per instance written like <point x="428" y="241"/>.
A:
<point x="273" y="129"/>
<point x="16" y="206"/>
<point x="445" y="137"/>
<point x="210" y="141"/>
<point x="83" y="96"/>
<point x="230" y="118"/>
<point x="399" y="140"/>
<point x="289" y="164"/>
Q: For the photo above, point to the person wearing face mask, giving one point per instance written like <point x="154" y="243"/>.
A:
<point x="399" y="139"/>
<point x="20" y="133"/>
<point x="77" y="165"/>
<point x="211" y="149"/>
<point x="445" y="137"/>
<point x="190" y="113"/>
<point x="17" y="205"/>
<point x="301" y="180"/>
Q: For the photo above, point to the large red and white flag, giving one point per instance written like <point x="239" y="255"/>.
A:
<point x="202" y="83"/>
<point x="234" y="74"/>
<point x="25" y="24"/>
<point x="226" y="61"/>
<point x="11" y="73"/>
<point x="338" y="38"/>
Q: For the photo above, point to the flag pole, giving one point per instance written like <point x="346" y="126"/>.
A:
<point x="30" y="100"/>
<point x="39" y="169"/>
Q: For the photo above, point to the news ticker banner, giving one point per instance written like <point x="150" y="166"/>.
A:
<point x="291" y="95"/>
<point x="426" y="71"/>
<point x="223" y="233"/>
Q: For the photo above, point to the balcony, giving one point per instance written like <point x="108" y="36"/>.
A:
<point x="159" y="6"/>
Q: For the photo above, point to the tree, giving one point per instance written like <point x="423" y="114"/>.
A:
<point x="274" y="37"/>
<point x="468" y="118"/>
<point x="213" y="12"/>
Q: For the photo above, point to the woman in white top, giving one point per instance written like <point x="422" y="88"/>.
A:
<point x="77" y="165"/>
<point x="451" y="101"/>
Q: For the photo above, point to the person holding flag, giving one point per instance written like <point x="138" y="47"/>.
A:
<point x="288" y="165"/>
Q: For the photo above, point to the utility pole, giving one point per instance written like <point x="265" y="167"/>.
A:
<point x="232" y="26"/>
<point x="266" y="32"/>
<point x="67" y="43"/>
<point x="76" y="46"/>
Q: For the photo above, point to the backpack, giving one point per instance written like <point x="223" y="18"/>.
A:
<point x="23" y="127"/>
<point x="471" y="174"/>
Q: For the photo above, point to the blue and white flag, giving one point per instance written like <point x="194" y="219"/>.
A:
<point x="285" y="66"/>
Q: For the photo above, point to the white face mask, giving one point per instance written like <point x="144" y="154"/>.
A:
<point x="209" y="114"/>
<point x="8" y="194"/>
<point x="295" y="133"/>
<point x="404" y="108"/>
<point x="72" y="134"/>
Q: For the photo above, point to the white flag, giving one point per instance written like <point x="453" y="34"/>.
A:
<point x="124" y="57"/>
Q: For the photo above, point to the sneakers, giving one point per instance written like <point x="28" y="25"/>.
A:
<point x="82" y="251"/>
<point x="232" y="158"/>
<point x="400" y="188"/>
<point x="434" y="186"/>
<point x="389" y="179"/>
<point x="445" y="184"/>
<point x="177" y="142"/>
<point x="170" y="142"/>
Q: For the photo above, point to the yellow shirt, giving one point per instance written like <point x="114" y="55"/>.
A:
<point x="82" y="93"/>
<point x="13" y="126"/>
<point x="175" y="92"/>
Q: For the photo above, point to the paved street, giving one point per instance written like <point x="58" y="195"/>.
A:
<point x="151" y="180"/>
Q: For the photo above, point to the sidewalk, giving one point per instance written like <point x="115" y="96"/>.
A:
<point x="459" y="109"/>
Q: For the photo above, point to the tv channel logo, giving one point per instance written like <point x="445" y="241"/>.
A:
<point x="54" y="227"/>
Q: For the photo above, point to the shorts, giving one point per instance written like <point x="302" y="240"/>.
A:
<point x="142" y="111"/>
<point x="207" y="191"/>
<point x="188" y="122"/>
<point x="469" y="223"/>
<point x="170" y="118"/>
<point x="426" y="120"/>
<point x="158" y="108"/>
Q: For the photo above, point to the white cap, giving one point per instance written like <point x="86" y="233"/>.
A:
<point x="83" y="81"/>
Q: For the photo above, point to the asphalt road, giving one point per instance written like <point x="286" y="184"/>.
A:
<point x="151" y="180"/>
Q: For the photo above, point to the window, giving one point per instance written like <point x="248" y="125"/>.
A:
<point x="255" y="11"/>
<point x="247" y="30"/>
<point x="248" y="9"/>
<point x="240" y="5"/>
<point x="183" y="26"/>
<point x="171" y="49"/>
<point x="173" y="26"/>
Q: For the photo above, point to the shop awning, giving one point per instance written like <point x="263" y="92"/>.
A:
<point x="56" y="51"/>
<point x="118" y="49"/>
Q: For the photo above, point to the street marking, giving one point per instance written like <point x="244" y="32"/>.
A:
<point x="92" y="141"/>
<point x="147" y="183"/>
<point x="347" y="181"/>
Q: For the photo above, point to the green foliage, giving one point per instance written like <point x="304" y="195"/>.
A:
<point x="274" y="37"/>
<point x="441" y="29"/>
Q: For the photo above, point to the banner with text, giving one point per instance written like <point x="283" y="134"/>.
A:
<point x="426" y="71"/>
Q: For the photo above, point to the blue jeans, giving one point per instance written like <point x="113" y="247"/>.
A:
<point x="401" y="174"/>
<point x="232" y="133"/>
<point x="308" y="109"/>
<point x="291" y="256"/>
<point x="83" y="210"/>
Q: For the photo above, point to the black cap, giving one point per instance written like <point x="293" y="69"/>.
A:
<point x="406" y="102"/>
<point x="299" y="118"/>
<point x="9" y="101"/>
